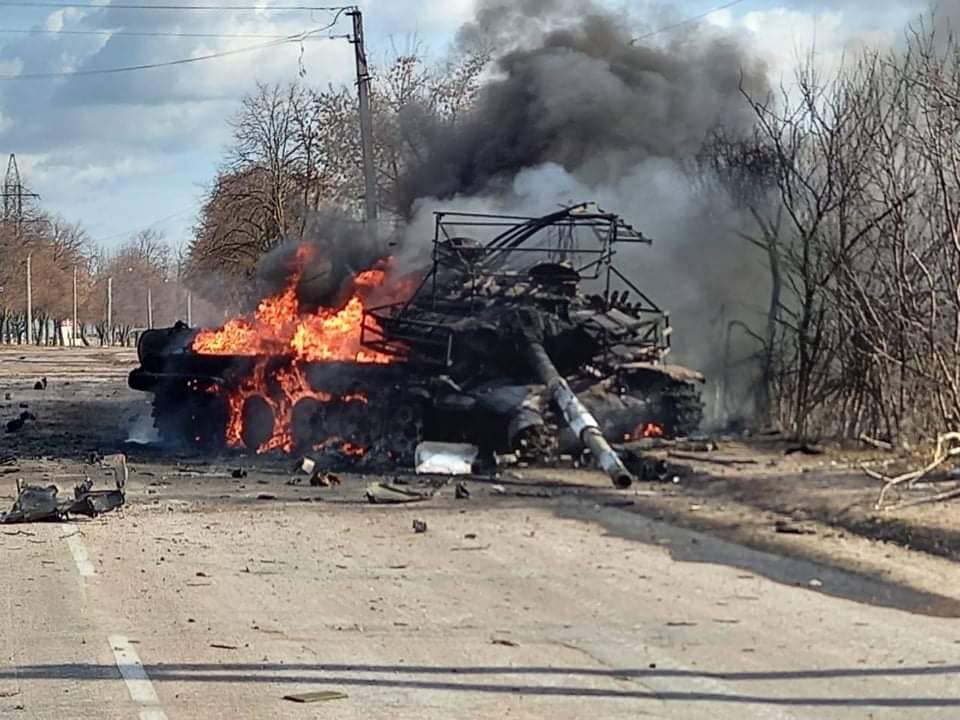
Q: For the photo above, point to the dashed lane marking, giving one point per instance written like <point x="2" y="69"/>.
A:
<point x="79" y="552"/>
<point x="135" y="676"/>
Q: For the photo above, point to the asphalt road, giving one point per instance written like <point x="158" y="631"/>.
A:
<point x="544" y="601"/>
<point x="200" y="601"/>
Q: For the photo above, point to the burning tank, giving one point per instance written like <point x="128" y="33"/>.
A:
<point x="523" y="335"/>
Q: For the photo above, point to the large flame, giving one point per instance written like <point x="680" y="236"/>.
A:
<point x="279" y="327"/>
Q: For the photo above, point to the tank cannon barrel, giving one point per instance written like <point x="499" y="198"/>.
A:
<point x="578" y="418"/>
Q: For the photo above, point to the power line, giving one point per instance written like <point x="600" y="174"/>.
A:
<point x="128" y="233"/>
<point x="682" y="23"/>
<point x="168" y="63"/>
<point x="220" y="8"/>
<point x="130" y="33"/>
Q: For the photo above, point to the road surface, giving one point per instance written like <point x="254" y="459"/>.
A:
<point x="201" y="601"/>
<point x="530" y="600"/>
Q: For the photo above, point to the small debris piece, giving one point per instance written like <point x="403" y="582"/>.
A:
<point x="221" y="646"/>
<point x="804" y="449"/>
<point x="470" y="536"/>
<point x="324" y="480"/>
<point x="386" y="494"/>
<point x="307" y="466"/>
<point x="266" y="496"/>
<point x="321" y="696"/>
<point x="787" y="528"/>
<point x="438" y="458"/>
<point x="501" y="641"/>
<point x="117" y="464"/>
<point x="815" y="583"/>
<point x="462" y="492"/>
<point x="419" y="526"/>
<point x="238" y="473"/>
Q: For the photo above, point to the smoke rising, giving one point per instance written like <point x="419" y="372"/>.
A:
<point x="576" y="112"/>
<point x="571" y="89"/>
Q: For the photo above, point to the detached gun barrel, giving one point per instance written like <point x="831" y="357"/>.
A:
<point x="580" y="420"/>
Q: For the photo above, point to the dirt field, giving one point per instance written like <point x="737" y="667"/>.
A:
<point x="546" y="593"/>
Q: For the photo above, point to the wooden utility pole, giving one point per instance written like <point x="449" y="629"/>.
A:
<point x="150" y="308"/>
<point x="366" y="120"/>
<point x="76" y="329"/>
<point x="29" y="301"/>
<point x="189" y="310"/>
<point x="109" y="311"/>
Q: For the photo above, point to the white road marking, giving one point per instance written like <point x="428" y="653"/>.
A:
<point x="153" y="714"/>
<point x="135" y="676"/>
<point x="79" y="552"/>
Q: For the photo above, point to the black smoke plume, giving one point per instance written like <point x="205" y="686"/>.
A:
<point x="571" y="88"/>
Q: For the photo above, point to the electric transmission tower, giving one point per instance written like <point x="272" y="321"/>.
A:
<point x="13" y="193"/>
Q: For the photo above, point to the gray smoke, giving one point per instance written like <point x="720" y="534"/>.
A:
<point x="571" y="89"/>
<point x="577" y="112"/>
<point x="337" y="247"/>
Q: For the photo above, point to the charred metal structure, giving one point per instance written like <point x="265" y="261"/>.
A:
<point x="525" y="335"/>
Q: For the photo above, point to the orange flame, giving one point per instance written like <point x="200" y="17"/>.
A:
<point x="280" y="327"/>
<point x="645" y="430"/>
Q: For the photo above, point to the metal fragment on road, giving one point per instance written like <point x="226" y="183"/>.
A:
<point x="386" y="494"/>
<point x="441" y="458"/>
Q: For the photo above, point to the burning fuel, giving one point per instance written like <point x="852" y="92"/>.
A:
<point x="280" y="327"/>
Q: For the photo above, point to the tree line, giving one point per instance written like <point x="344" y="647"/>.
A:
<point x="117" y="290"/>
<point x="849" y="188"/>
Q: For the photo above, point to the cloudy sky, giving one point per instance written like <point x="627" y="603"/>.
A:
<point x="125" y="151"/>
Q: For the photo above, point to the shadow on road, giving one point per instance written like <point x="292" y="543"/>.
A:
<point x="343" y="675"/>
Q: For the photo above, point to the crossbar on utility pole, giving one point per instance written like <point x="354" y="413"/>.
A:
<point x="366" y="120"/>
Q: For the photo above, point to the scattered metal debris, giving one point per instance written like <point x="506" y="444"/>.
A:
<point x="462" y="492"/>
<point x="238" y="473"/>
<point x="419" y="526"/>
<point x="41" y="384"/>
<point x="39" y="504"/>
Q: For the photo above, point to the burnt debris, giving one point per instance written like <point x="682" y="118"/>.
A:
<point x="522" y="337"/>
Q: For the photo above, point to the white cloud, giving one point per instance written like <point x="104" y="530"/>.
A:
<point x="785" y="37"/>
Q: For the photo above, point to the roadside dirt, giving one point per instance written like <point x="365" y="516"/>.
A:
<point x="819" y="508"/>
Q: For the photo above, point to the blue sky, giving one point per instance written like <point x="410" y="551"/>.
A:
<point x="123" y="152"/>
